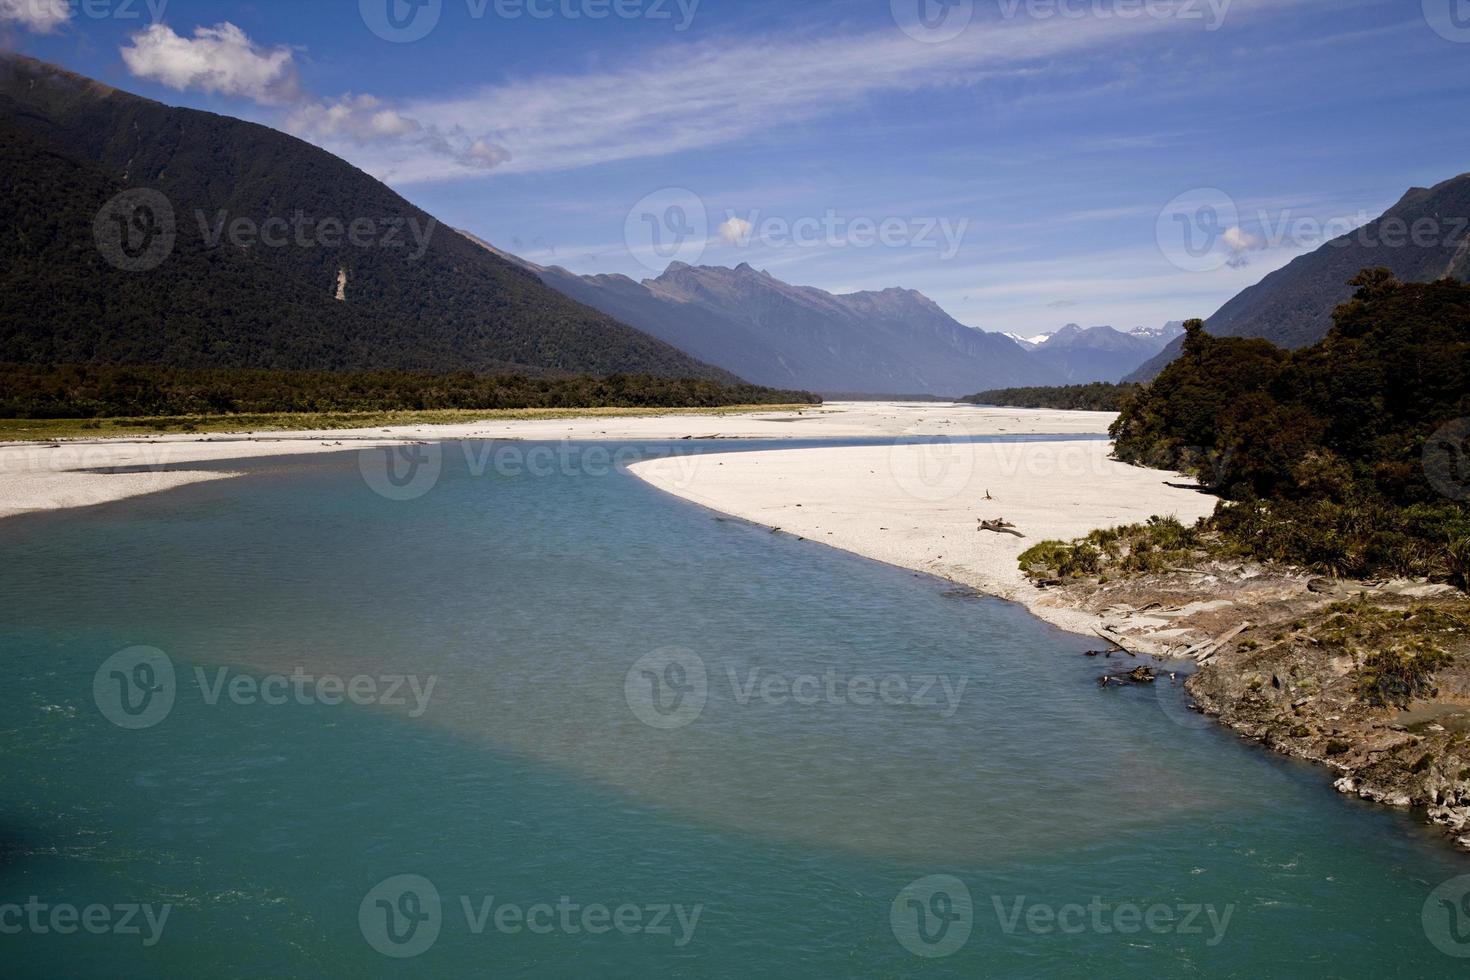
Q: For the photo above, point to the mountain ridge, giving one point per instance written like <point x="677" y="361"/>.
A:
<point x="71" y="146"/>
<point x="1293" y="306"/>
<point x="892" y="341"/>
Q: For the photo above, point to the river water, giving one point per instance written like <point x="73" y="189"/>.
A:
<point x="542" y="720"/>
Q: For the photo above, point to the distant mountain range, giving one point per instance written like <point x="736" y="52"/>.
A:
<point x="893" y="342"/>
<point x="1082" y="356"/>
<point x="1161" y="335"/>
<point x="772" y="333"/>
<point x="1424" y="237"/>
<point x="72" y="149"/>
<point x="431" y="302"/>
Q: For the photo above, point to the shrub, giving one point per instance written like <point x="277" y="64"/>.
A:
<point x="1055" y="559"/>
<point x="1397" y="678"/>
<point x="1321" y="452"/>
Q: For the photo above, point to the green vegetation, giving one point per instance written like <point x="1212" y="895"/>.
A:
<point x="1398" y="651"/>
<point x="1056" y="560"/>
<point x="1320" y="454"/>
<point x="78" y="392"/>
<point x="1359" y="537"/>
<point x="49" y="402"/>
<point x="1151" y="547"/>
<point x="1096" y="397"/>
<point x="419" y="296"/>
<point x="46" y="430"/>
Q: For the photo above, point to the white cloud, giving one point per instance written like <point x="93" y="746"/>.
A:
<point x="364" y="121"/>
<point x="678" y="98"/>
<point x="735" y="231"/>
<point x="223" y="60"/>
<point x="487" y="153"/>
<point x="41" y="16"/>
<point x="361" y="117"/>
<point x="698" y="96"/>
<point x="1239" y="240"/>
<point x="219" y="59"/>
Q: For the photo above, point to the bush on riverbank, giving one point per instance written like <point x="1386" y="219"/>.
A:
<point x="1345" y="457"/>
<point x="1398" y="651"/>
<point x="1135" y="548"/>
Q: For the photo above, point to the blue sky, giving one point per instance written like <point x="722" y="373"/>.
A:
<point x="1025" y="163"/>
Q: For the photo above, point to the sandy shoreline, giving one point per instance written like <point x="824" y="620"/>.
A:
<point x="38" y="476"/>
<point x="919" y="506"/>
<point x="915" y="506"/>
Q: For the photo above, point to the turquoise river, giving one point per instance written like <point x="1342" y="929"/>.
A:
<point x="544" y="721"/>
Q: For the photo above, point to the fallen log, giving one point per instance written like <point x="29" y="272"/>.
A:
<point x="1219" y="644"/>
<point x="1000" y="527"/>
<point x="1115" y="642"/>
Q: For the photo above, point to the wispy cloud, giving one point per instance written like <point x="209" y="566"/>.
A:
<point x="673" y="99"/>
<point x="223" y="60"/>
<point x="711" y="95"/>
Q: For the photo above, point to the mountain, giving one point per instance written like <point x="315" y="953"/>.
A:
<point x="894" y="342"/>
<point x="1161" y="335"/>
<point x="1424" y="237"/>
<point x="243" y="247"/>
<point x="1083" y="356"/>
<point x="1029" y="343"/>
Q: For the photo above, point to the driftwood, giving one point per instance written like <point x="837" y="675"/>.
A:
<point x="1138" y="675"/>
<point x="1115" y="641"/>
<point x="1219" y="644"/>
<point x="1000" y="526"/>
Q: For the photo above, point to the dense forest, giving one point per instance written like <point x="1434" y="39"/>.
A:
<point x="76" y="155"/>
<point x="1096" y="397"/>
<point x="80" y="392"/>
<point x="1348" y="456"/>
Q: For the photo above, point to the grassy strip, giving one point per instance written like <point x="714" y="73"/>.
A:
<point x="50" y="430"/>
